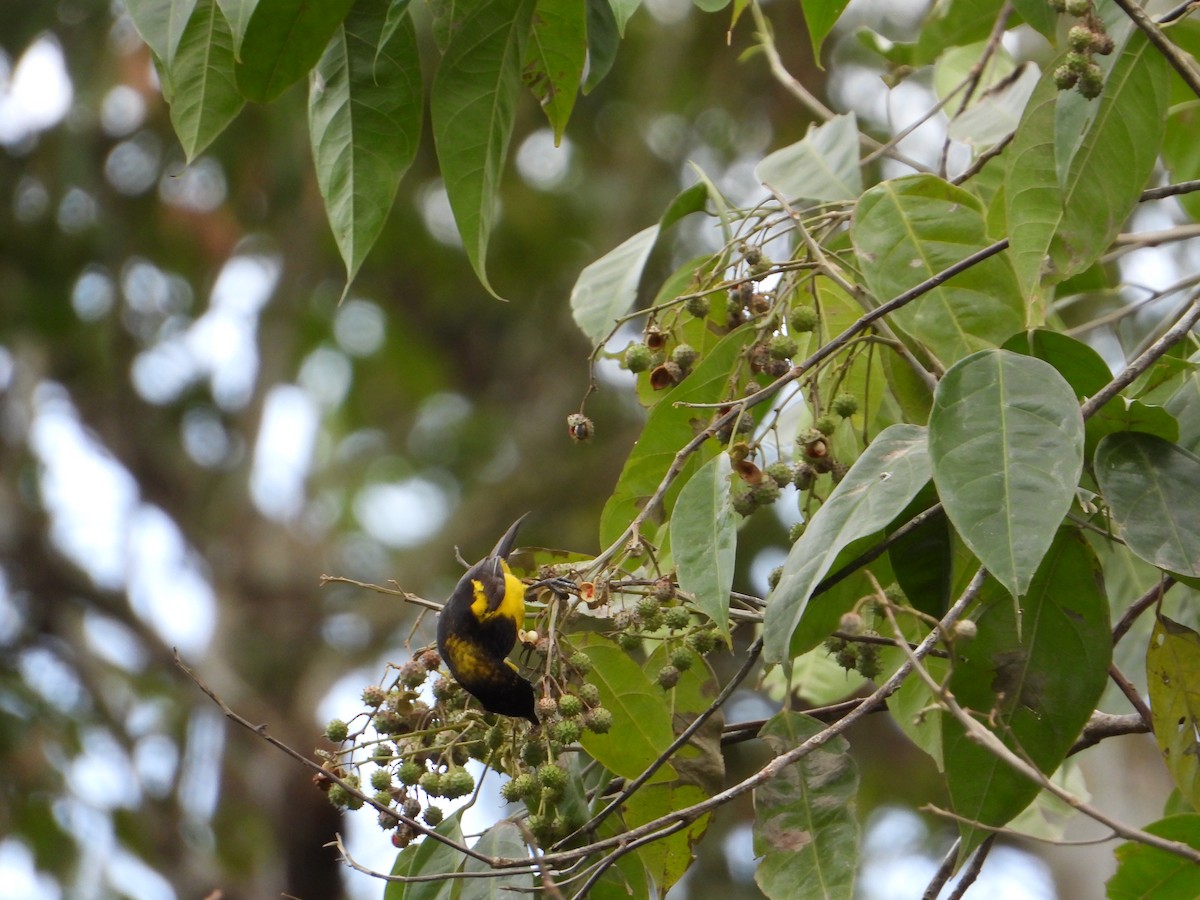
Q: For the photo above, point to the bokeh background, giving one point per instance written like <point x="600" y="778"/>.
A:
<point x="193" y="431"/>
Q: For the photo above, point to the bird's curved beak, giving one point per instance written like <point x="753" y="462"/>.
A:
<point x="505" y="545"/>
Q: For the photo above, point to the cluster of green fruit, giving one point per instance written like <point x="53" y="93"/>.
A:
<point x="756" y="488"/>
<point x="416" y="752"/>
<point x="1086" y="40"/>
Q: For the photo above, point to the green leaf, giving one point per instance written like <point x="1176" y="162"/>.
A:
<point x="820" y="16"/>
<point x="1184" y="405"/>
<point x="1147" y="873"/>
<point x="1076" y="167"/>
<point x="1181" y="152"/>
<point x="364" y="119"/>
<point x="161" y="24"/>
<point x="877" y="488"/>
<point x="923" y="559"/>
<point x="472" y="106"/>
<point x="283" y="40"/>
<point x="668" y="858"/>
<point x="603" y="40"/>
<point x="238" y="13"/>
<point x="1082" y="367"/>
<point x="699" y="764"/>
<point x="1153" y="490"/>
<point x="1120" y="414"/>
<point x="805" y="829"/>
<point x="200" y="82"/>
<point x="501" y="840"/>
<point x="1012" y="674"/>
<point x="704" y="540"/>
<point x="667" y="429"/>
<point x="554" y="58"/>
<point x="953" y="24"/>
<point x="641" y="723"/>
<point x="1040" y="16"/>
<point x="909" y="229"/>
<point x="1110" y="166"/>
<point x="623" y="11"/>
<point x="1006" y="441"/>
<point x="822" y="166"/>
<point x="428" y="857"/>
<point x="1173" y="677"/>
<point x="607" y="288"/>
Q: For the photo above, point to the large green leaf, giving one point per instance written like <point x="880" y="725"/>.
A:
<point x="501" y="840"/>
<point x="1147" y="873"/>
<point x="805" y="829"/>
<point x="1181" y="151"/>
<point x="877" y="488"/>
<point x="364" y="120"/>
<point x="704" y="540"/>
<point x="822" y="166"/>
<point x="283" y="41"/>
<point x="1076" y="167"/>
<point x="238" y="13"/>
<point x="603" y="40"/>
<point x="668" y="428"/>
<point x="641" y="721"/>
<point x="1173" y="676"/>
<point x="1013" y="675"/>
<point x="472" y="106"/>
<point x="1153" y="491"/>
<point x="820" y="16"/>
<point x="953" y="23"/>
<point x="1184" y="405"/>
<point x="161" y="24"/>
<point x="910" y="229"/>
<point x="1081" y="366"/>
<point x="607" y="287"/>
<point x="1006" y="441"/>
<point x="199" y="82"/>
<point x="428" y="857"/>
<point x="555" y="57"/>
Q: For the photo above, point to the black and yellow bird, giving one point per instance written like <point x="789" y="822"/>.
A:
<point x="477" y="629"/>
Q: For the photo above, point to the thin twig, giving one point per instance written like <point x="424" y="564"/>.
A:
<point x="1131" y="694"/>
<point x="1177" y="58"/>
<point x="1140" y="364"/>
<point x="990" y="742"/>
<point x="261" y="731"/>
<point x="971" y="873"/>
<point x="752" y="655"/>
<point x="1140" y="605"/>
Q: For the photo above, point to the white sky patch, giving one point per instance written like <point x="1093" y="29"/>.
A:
<point x="101" y="776"/>
<point x="113" y="642"/>
<point x="220" y="345"/>
<point x="434" y="204"/>
<point x="200" y="775"/>
<point x="37" y="94"/>
<point x="99" y="523"/>
<point x="89" y="494"/>
<point x="283" y="452"/>
<point x="167" y="586"/>
<point x="402" y="513"/>
<point x="540" y="163"/>
<point x="130" y="877"/>
<point x="359" y="327"/>
<point x="200" y="188"/>
<point x="19" y="874"/>
<point x="326" y="374"/>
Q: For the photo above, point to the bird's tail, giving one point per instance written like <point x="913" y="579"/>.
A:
<point x="505" y="545"/>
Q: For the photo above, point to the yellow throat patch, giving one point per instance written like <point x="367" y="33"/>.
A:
<point x="511" y="605"/>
